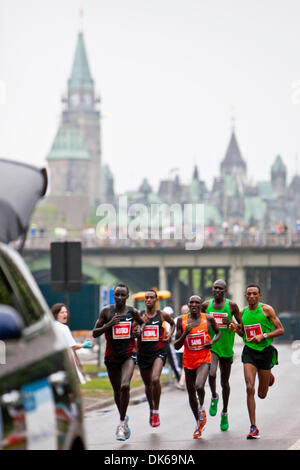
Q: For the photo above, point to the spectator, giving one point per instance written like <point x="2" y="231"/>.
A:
<point x="61" y="315"/>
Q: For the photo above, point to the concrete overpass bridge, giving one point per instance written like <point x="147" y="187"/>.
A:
<point x="275" y="269"/>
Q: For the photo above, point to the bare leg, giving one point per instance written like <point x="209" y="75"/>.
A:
<point x="213" y="374"/>
<point x="115" y="380"/>
<point x="127" y="371"/>
<point x="264" y="379"/>
<point x="250" y="373"/>
<point x="190" y="379"/>
<point x="156" y="387"/>
<point x="201" y="376"/>
<point x="225" y="369"/>
<point x="146" y="376"/>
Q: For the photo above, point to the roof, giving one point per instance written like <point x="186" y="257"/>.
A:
<point x="68" y="144"/>
<point x="230" y="185"/>
<point x="278" y="164"/>
<point x="265" y="190"/>
<point x="233" y="155"/>
<point x="255" y="208"/>
<point x="80" y="76"/>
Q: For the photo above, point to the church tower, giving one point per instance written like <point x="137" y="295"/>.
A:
<point x="75" y="156"/>
<point x="81" y="113"/>
<point x="233" y="163"/>
<point x="278" y="176"/>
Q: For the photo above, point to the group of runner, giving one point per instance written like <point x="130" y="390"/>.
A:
<point x="207" y="334"/>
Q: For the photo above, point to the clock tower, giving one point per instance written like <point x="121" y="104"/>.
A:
<point x="81" y="112"/>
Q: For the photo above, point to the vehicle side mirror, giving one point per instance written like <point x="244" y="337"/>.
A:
<point x="11" y="323"/>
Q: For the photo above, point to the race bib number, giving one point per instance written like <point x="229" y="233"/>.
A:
<point x="196" y="341"/>
<point x="219" y="318"/>
<point x="122" y="330"/>
<point x="150" y="333"/>
<point x="252" y="330"/>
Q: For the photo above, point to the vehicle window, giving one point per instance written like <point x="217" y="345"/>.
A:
<point x="14" y="291"/>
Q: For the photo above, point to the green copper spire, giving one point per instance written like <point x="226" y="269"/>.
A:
<point x="68" y="145"/>
<point x="81" y="76"/>
<point x="278" y="164"/>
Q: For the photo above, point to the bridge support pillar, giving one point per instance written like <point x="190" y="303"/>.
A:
<point x="175" y="289"/>
<point x="237" y="285"/>
<point x="163" y="278"/>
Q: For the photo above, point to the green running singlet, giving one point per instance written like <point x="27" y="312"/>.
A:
<point x="224" y="346"/>
<point x="255" y="322"/>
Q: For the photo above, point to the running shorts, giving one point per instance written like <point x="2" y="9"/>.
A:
<point x="223" y="359"/>
<point x="118" y="363"/>
<point x="262" y="360"/>
<point x="146" y="361"/>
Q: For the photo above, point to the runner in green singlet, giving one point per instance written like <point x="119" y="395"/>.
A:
<point x="222" y="310"/>
<point x="258" y="327"/>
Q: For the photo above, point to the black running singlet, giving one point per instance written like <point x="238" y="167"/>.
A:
<point x="119" y="341"/>
<point x="152" y="336"/>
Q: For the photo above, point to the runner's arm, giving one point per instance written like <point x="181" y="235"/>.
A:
<point x="137" y="316"/>
<point x="166" y="317"/>
<point x="236" y="312"/>
<point x="138" y="324"/>
<point x="237" y="327"/>
<point x="271" y="315"/>
<point x="180" y="334"/>
<point x="102" y="324"/>
<point x="211" y="323"/>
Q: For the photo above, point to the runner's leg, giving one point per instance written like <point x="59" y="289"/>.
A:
<point x="201" y="375"/>
<point x="190" y="378"/>
<point x="250" y="373"/>
<point x="213" y="374"/>
<point x="146" y="375"/>
<point x="127" y="371"/>
<point x="225" y="369"/>
<point x="264" y="380"/>
<point x="115" y="380"/>
<point x="156" y="387"/>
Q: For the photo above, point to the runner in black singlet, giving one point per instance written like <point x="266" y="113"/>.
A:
<point x="152" y="353"/>
<point x="117" y="323"/>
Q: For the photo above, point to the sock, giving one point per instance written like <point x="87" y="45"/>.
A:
<point x="155" y="412"/>
<point x="224" y="414"/>
<point x="122" y="422"/>
<point x="201" y="408"/>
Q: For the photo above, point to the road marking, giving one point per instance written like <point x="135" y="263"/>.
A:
<point x="295" y="446"/>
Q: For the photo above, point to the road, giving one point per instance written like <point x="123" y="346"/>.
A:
<point x="278" y="417"/>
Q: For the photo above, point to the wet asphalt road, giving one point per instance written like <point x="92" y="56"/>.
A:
<point x="278" y="417"/>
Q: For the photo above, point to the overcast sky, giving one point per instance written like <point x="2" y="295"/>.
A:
<point x="170" y="73"/>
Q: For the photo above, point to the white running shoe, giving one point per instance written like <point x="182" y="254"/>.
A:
<point x="126" y="428"/>
<point x="120" y="433"/>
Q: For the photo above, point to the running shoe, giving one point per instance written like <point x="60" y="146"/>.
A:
<point x="202" y="420"/>
<point x="126" y="428"/>
<point x="213" y="406"/>
<point x="197" y="433"/>
<point x="254" y="433"/>
<point x="151" y="418"/>
<point x="224" y="422"/>
<point x="120" y="433"/>
<point x="272" y="380"/>
<point x="155" y="420"/>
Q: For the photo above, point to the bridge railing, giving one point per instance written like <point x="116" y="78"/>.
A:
<point x="215" y="239"/>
